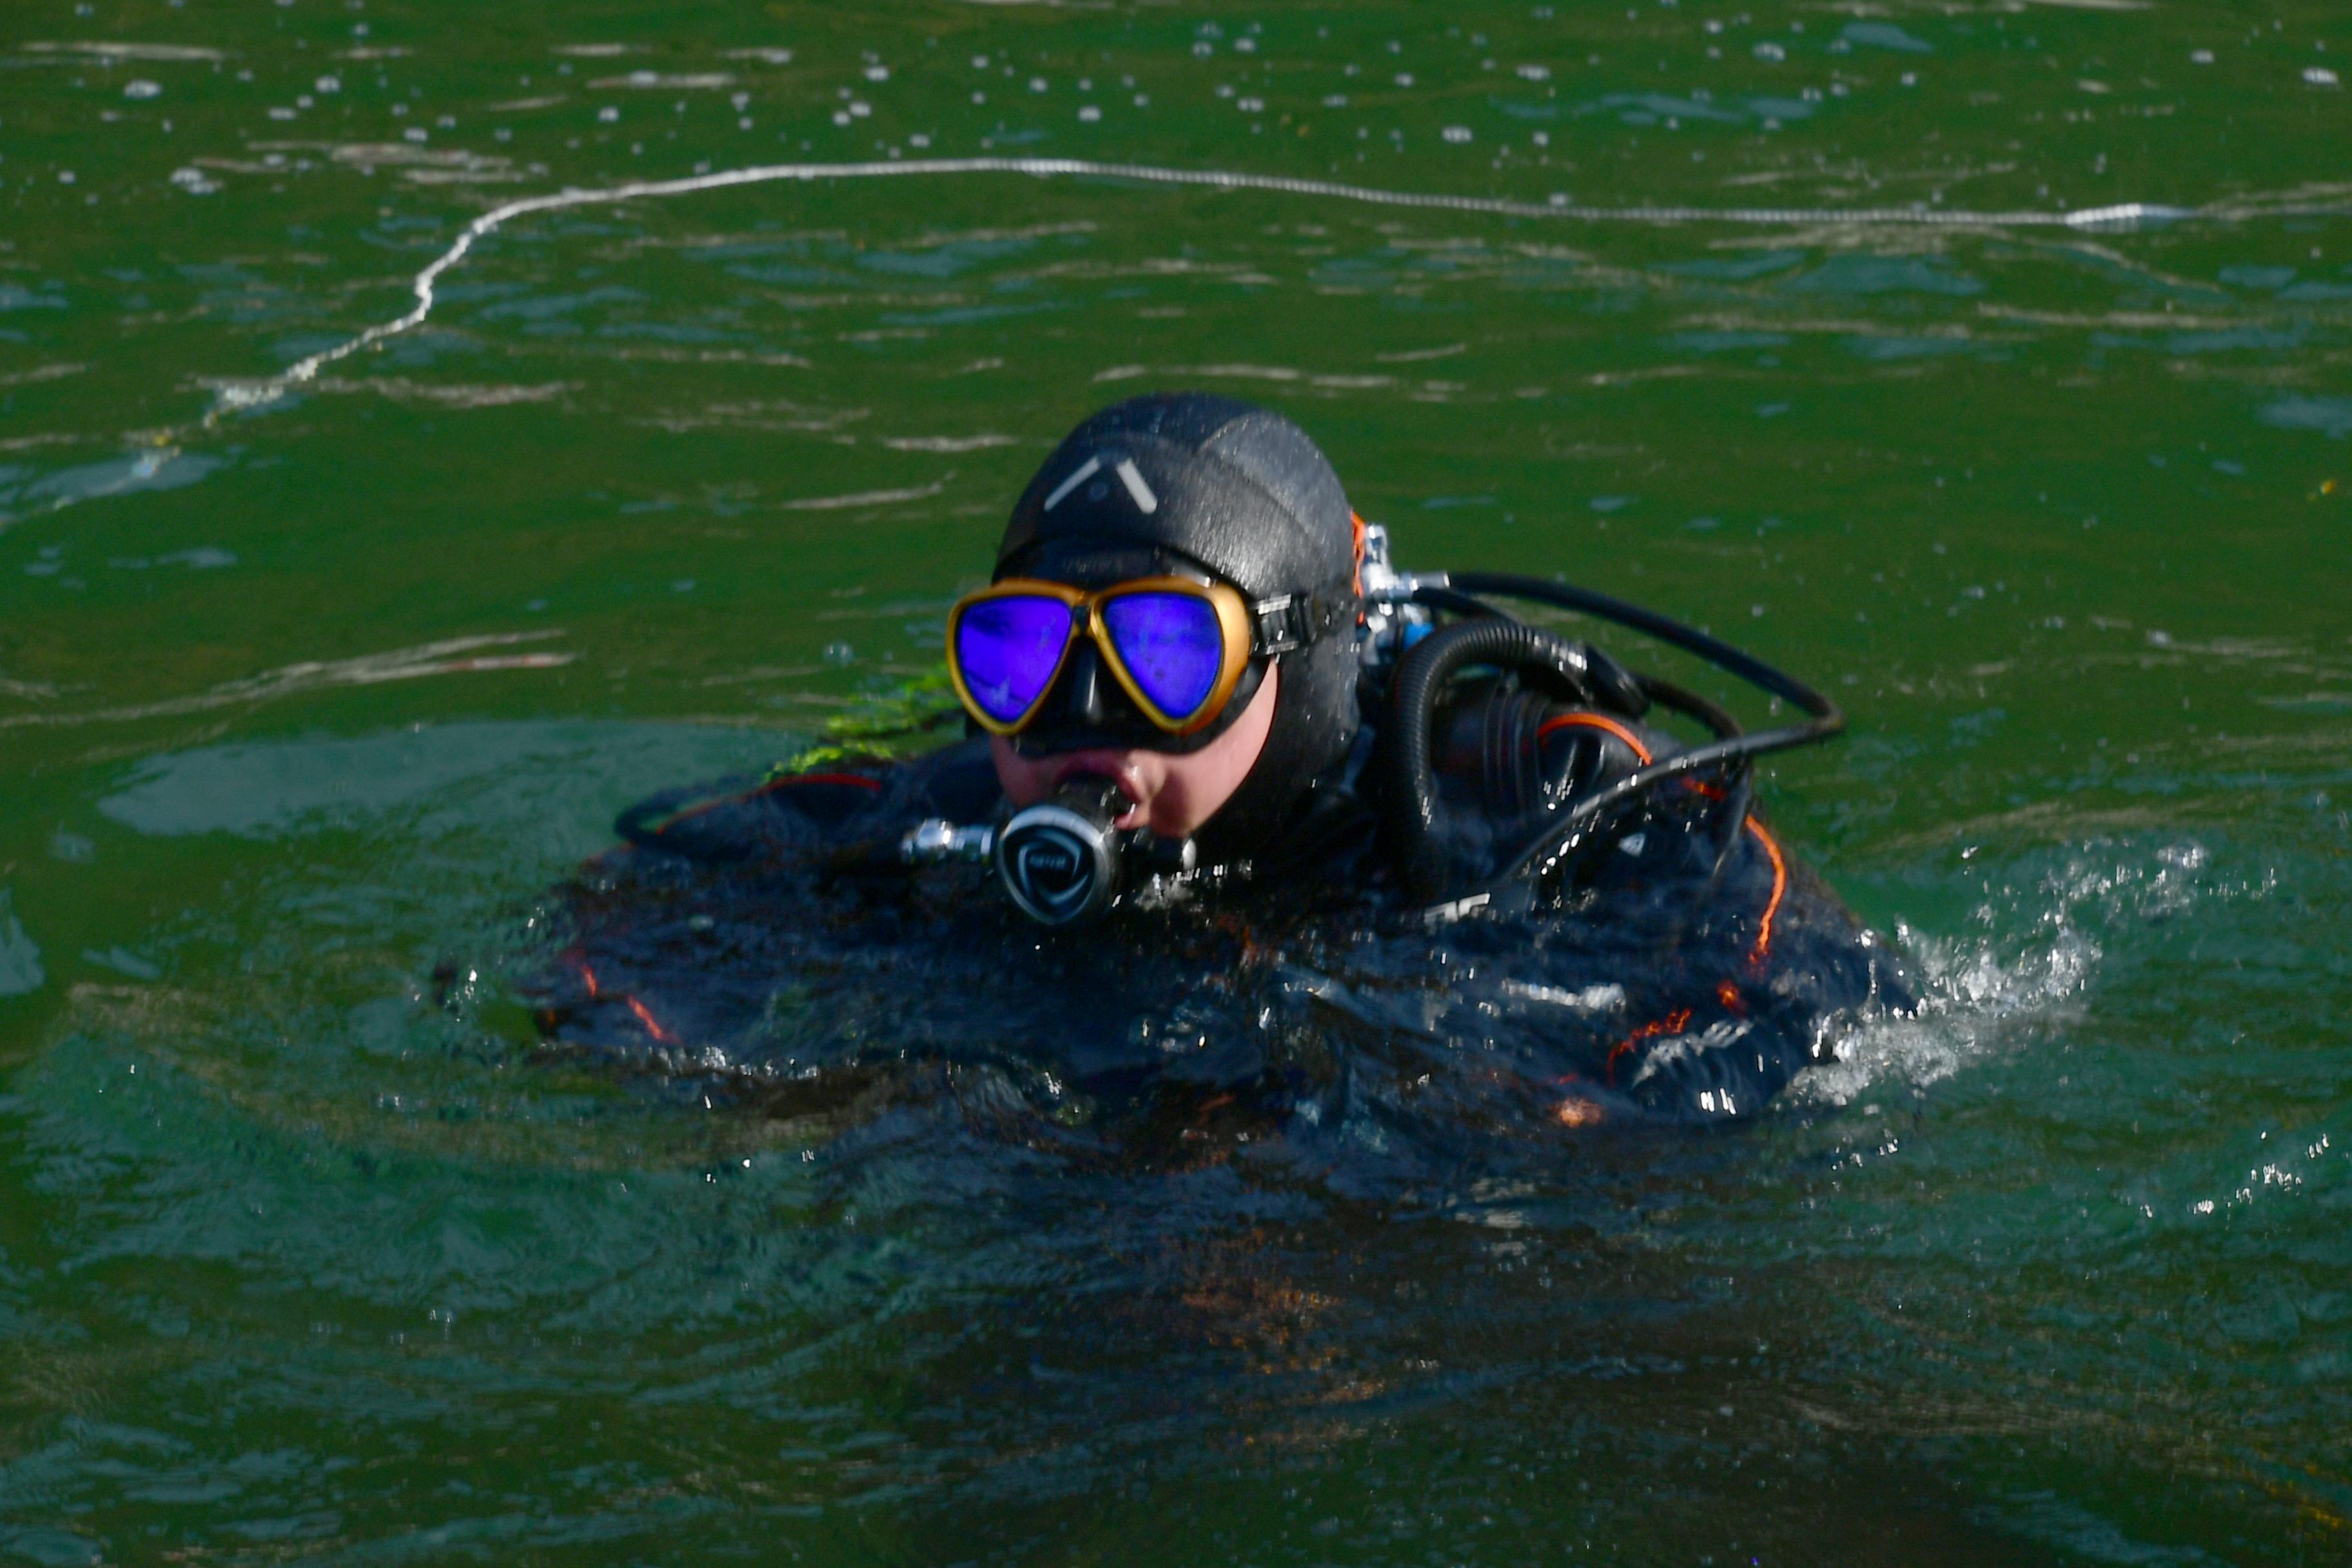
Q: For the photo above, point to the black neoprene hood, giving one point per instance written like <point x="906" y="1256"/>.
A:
<point x="1243" y="494"/>
<point x="1238" y="489"/>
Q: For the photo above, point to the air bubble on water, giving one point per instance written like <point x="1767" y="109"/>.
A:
<point x="329" y="84"/>
<point x="608" y="114"/>
<point x="1089" y="114"/>
<point x="859" y="108"/>
<point x="1456" y="133"/>
<point x="877" y="73"/>
<point x="143" y="89"/>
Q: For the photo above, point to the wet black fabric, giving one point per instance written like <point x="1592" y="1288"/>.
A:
<point x="1683" y="966"/>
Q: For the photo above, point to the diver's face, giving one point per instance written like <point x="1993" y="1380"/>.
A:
<point x="1172" y="793"/>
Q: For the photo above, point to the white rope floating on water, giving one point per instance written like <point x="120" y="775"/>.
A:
<point x="255" y="394"/>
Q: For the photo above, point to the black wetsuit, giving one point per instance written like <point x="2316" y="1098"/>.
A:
<point x="1680" y="964"/>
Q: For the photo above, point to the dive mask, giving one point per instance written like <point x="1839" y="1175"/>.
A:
<point x="1176" y="647"/>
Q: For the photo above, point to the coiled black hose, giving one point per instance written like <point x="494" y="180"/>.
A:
<point x="1551" y="663"/>
<point x="1488" y="639"/>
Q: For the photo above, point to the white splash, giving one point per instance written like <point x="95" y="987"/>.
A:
<point x="1976" y="1000"/>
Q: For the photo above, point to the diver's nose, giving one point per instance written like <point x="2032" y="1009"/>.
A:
<point x="1082" y="693"/>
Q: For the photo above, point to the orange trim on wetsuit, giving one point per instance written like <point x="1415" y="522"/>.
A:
<point x="644" y="1013"/>
<point x="645" y="1016"/>
<point x="1763" y="948"/>
<point x="1673" y="1023"/>
<point x="1595" y="722"/>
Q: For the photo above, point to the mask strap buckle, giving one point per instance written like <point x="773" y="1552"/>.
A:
<point x="1288" y="622"/>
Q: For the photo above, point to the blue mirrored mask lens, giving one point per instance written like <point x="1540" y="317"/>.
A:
<point x="1008" y="651"/>
<point x="1171" y="645"/>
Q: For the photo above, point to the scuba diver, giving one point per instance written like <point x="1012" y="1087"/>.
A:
<point x="1234" y="789"/>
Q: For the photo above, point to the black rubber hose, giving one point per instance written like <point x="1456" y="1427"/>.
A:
<point x="1438" y="598"/>
<point x="1731" y="749"/>
<point x="1690" y="639"/>
<point x="1690" y="705"/>
<point x="1547" y="661"/>
<point x="1610" y="684"/>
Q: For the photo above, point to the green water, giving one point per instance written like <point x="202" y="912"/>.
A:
<point x="297" y="1264"/>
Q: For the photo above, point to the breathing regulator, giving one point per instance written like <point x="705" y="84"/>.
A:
<point x="1062" y="861"/>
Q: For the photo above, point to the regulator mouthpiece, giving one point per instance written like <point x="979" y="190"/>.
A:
<point x="1065" y="864"/>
